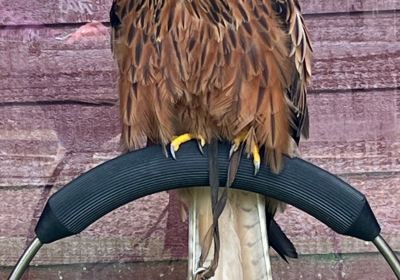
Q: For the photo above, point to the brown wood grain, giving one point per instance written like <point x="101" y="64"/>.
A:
<point x="42" y="64"/>
<point x="74" y="11"/>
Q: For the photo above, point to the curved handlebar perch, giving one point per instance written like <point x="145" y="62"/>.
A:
<point x="147" y="171"/>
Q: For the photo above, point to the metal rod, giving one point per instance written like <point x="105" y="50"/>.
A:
<point x="25" y="259"/>
<point x="389" y="255"/>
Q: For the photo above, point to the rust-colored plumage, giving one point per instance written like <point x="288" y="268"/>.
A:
<point x="218" y="68"/>
<point x="215" y="68"/>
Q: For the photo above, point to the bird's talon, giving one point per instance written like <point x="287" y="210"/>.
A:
<point x="233" y="149"/>
<point x="177" y="141"/>
<point x="256" y="167"/>
<point x="231" y="152"/>
<point x="202" y="140"/>
<point x="236" y="143"/>
<point x="254" y="151"/>
<point x="199" y="144"/>
<point x="172" y="151"/>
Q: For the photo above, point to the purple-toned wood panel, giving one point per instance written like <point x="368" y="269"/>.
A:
<point x="352" y="267"/>
<point x="47" y="63"/>
<point x="59" y="118"/>
<point x="350" y="133"/>
<point x="76" y="11"/>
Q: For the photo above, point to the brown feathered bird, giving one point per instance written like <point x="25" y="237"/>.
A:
<point x="235" y="70"/>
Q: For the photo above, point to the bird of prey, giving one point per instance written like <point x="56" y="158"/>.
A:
<point x="232" y="70"/>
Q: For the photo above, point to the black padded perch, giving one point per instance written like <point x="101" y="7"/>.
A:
<point x="147" y="171"/>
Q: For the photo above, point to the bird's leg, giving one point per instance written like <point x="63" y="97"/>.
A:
<point x="255" y="151"/>
<point x="177" y="141"/>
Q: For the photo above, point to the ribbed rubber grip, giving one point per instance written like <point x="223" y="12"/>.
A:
<point x="147" y="171"/>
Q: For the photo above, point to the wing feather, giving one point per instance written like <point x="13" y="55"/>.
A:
<point x="301" y="52"/>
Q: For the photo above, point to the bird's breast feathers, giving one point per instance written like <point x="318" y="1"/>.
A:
<point x="213" y="67"/>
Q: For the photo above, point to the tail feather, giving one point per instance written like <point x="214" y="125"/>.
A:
<point x="279" y="241"/>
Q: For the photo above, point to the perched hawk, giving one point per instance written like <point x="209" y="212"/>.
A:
<point x="234" y="70"/>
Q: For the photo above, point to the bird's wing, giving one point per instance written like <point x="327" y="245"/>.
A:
<point x="144" y="91"/>
<point x="300" y="53"/>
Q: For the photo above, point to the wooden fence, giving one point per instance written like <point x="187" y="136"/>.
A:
<point x="58" y="118"/>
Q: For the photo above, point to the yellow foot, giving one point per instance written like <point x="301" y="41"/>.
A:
<point x="177" y="141"/>
<point x="255" y="152"/>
